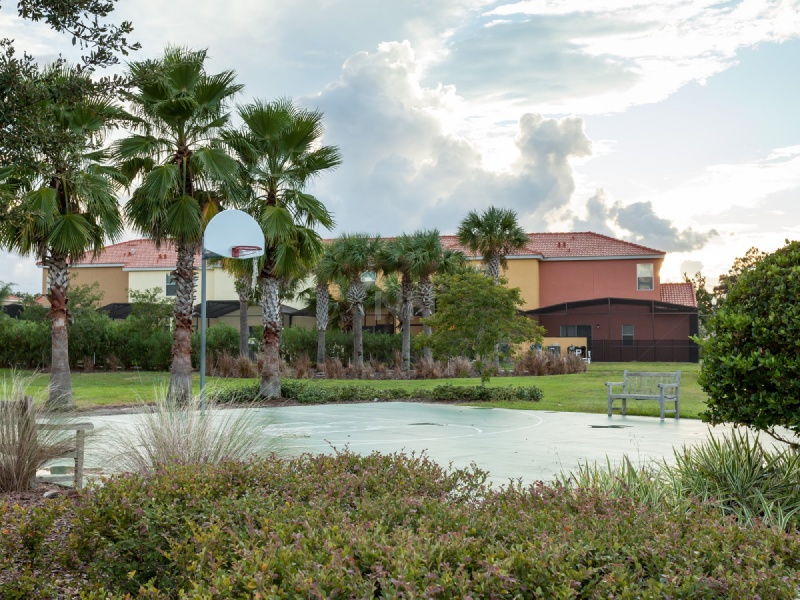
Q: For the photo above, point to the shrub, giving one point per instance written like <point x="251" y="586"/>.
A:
<point x="400" y="526"/>
<point x="429" y="369"/>
<point x="245" y="367"/>
<point x="24" y="447"/>
<point x="226" y="365"/>
<point x="461" y="366"/>
<point x="458" y="393"/>
<point x="302" y="366"/>
<point x="186" y="434"/>
<point x="751" y="369"/>
<point x="339" y="345"/>
<point x="25" y="344"/>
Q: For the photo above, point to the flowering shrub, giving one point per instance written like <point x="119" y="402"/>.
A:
<point x="391" y="526"/>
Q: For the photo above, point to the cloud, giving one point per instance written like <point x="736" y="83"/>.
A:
<point x="407" y="163"/>
<point x="638" y="222"/>
<point x="21" y="272"/>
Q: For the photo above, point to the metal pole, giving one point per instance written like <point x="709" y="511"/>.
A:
<point x="203" y="330"/>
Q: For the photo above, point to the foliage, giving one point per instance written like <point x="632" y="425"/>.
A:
<point x="464" y="393"/>
<point x="24" y="344"/>
<point x="395" y="526"/>
<point x="537" y="363"/>
<point x="24" y="448"/>
<point x="742" y="264"/>
<point x="474" y="316"/>
<point x="751" y="369"/>
<point x="220" y="338"/>
<point x="296" y="341"/>
<point x="735" y="475"/>
<point x="493" y="235"/>
<point x="195" y="433"/>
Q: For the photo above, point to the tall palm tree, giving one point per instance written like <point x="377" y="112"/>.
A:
<point x="279" y="147"/>
<point x="241" y="269"/>
<point x="183" y="171"/>
<point x="323" y="276"/>
<point x="429" y="257"/>
<point x="64" y="208"/>
<point x="353" y="255"/>
<point x="398" y="257"/>
<point x="493" y="234"/>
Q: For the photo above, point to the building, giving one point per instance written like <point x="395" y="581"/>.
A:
<point x="139" y="265"/>
<point x="604" y="295"/>
<point x="590" y="291"/>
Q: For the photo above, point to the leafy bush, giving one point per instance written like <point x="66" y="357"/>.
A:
<point x="148" y="350"/>
<point x="751" y="369"/>
<point x="458" y="393"/>
<point x="391" y="526"/>
<point x="91" y="337"/>
<point x="296" y="341"/>
<point x="25" y="344"/>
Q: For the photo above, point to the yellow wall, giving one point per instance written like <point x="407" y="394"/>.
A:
<point x="145" y="280"/>
<point x="522" y="273"/>
<point x="564" y="343"/>
<point x="113" y="281"/>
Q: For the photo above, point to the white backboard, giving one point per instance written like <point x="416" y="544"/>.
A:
<point x="231" y="228"/>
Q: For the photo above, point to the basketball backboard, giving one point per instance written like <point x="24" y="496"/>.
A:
<point x="232" y="230"/>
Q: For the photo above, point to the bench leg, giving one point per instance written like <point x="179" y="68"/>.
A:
<point x="624" y="406"/>
<point x="610" y="406"/>
<point x="661" y="404"/>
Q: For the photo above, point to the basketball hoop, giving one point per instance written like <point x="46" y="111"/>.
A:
<point x="244" y="251"/>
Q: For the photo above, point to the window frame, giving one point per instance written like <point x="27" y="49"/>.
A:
<point x="170" y="284"/>
<point x="628" y="337"/>
<point x="564" y="331"/>
<point x="645" y="272"/>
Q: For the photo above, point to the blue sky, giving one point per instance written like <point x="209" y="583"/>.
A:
<point x="670" y="123"/>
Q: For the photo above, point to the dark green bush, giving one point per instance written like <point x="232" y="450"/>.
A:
<point x="220" y="338"/>
<point x="458" y="393"/>
<point x="91" y="336"/>
<point x="148" y="350"/>
<point x="25" y="344"/>
<point x="296" y="341"/>
<point x="391" y="526"/>
<point x="751" y="369"/>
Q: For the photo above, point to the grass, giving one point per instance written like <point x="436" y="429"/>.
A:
<point x="582" y="392"/>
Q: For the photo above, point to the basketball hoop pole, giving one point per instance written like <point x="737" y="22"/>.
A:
<point x="203" y="324"/>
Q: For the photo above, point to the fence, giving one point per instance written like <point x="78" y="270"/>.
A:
<point x="645" y="351"/>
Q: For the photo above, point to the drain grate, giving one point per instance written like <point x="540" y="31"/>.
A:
<point x="609" y="426"/>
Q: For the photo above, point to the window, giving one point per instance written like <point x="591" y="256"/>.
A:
<point x="627" y="335"/>
<point x="369" y="277"/>
<point x="169" y="288"/>
<point x="569" y="331"/>
<point x="645" y="277"/>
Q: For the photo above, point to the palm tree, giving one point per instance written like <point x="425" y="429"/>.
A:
<point x="241" y="269"/>
<point x="493" y="235"/>
<point x="179" y="111"/>
<point x="429" y="257"/>
<point x="278" y="146"/>
<point x="353" y="255"/>
<point x="398" y="257"/>
<point x="64" y="208"/>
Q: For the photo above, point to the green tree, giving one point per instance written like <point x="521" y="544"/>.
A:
<point x="355" y="254"/>
<point x="751" y="369"/>
<point x="397" y="256"/>
<point x="182" y="169"/>
<point x="28" y="90"/>
<point x="493" y="235"/>
<point x="64" y="208"/>
<point x="431" y="258"/>
<point x="474" y="316"/>
<point x="751" y="258"/>
<point x="279" y="147"/>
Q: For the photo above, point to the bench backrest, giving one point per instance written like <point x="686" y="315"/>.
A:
<point x="646" y="382"/>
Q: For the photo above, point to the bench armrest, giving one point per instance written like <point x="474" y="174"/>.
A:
<point x="665" y="386"/>
<point x="613" y="383"/>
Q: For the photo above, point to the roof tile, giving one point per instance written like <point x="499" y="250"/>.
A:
<point x="678" y="293"/>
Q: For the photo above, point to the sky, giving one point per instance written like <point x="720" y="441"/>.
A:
<point x="669" y="123"/>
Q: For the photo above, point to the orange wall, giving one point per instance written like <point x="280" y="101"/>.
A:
<point x="522" y="273"/>
<point x="570" y="281"/>
<point x="113" y="281"/>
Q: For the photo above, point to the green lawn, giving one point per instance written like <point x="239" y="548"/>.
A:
<point x="584" y="392"/>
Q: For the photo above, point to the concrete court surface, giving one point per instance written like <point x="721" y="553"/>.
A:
<point x="510" y="444"/>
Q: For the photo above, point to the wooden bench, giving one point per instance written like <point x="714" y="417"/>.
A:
<point x="77" y="452"/>
<point x="661" y="386"/>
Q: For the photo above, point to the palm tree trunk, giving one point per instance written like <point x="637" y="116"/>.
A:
<point x="60" y="377"/>
<point x="323" y="307"/>
<point x="242" y="285"/>
<point x="180" y="376"/>
<point x="356" y="295"/>
<point x="426" y="301"/>
<point x="271" y="314"/>
<point x="406" y="309"/>
<point x="493" y="268"/>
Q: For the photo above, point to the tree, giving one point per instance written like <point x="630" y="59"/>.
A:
<point x="323" y="271"/>
<point x="474" y="316"/>
<point x="27" y="90"/>
<point x="397" y="256"/>
<point x="183" y="171"/>
<point x="64" y="208"/>
<point x="751" y="258"/>
<point x="705" y="299"/>
<point x="279" y="146"/>
<point x="431" y="258"/>
<point x="242" y="272"/>
<point x="751" y="369"/>
<point x="493" y="235"/>
<point x="354" y="255"/>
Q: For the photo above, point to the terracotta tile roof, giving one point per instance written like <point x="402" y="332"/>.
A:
<point x="678" y="293"/>
<point x="136" y="254"/>
<point x="570" y="245"/>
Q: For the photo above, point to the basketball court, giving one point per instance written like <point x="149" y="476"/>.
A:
<point x="510" y="444"/>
